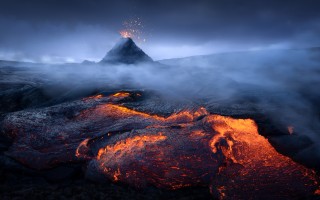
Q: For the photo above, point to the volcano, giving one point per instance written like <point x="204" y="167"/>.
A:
<point x="126" y="52"/>
<point x="103" y="134"/>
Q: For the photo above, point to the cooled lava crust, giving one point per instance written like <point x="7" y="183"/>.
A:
<point x="187" y="148"/>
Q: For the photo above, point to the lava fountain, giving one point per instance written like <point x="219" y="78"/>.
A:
<point x="133" y="28"/>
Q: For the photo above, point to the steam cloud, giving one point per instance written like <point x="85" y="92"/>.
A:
<point x="283" y="84"/>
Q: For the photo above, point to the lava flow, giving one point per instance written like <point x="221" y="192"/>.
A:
<point x="184" y="150"/>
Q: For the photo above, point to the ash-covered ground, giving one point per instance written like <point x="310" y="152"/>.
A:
<point x="48" y="111"/>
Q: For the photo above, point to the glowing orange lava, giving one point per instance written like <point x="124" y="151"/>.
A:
<point x="137" y="142"/>
<point x="185" y="150"/>
<point x="95" y="97"/>
<point x="121" y="94"/>
<point x="189" y="148"/>
<point x="116" y="96"/>
<point x="240" y="142"/>
<point x="81" y="151"/>
<point x="126" y="34"/>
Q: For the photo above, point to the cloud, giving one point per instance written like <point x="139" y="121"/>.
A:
<point x="84" y="29"/>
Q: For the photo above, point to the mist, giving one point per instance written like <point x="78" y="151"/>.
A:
<point x="281" y="83"/>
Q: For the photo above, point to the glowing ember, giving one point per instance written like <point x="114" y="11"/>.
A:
<point x="290" y="129"/>
<point x="126" y="34"/>
<point x="133" y="29"/>
<point x="96" y="97"/>
<point x="137" y="142"/>
<point x="82" y="150"/>
<point x="121" y="94"/>
<point x="116" y="96"/>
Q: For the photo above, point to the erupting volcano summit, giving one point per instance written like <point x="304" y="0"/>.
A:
<point x="127" y="52"/>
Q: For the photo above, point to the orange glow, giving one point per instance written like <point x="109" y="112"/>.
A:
<point x="243" y="134"/>
<point x="240" y="142"/>
<point x="187" y="116"/>
<point x="126" y="34"/>
<point x="96" y="97"/>
<point x="125" y="147"/>
<point x="116" y="174"/>
<point x="197" y="134"/>
<point x="190" y="153"/>
<point x="290" y="129"/>
<point x="82" y="149"/>
<point x="121" y="94"/>
<point x="121" y="112"/>
<point x="133" y="28"/>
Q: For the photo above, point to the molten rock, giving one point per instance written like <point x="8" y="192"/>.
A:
<point x="185" y="149"/>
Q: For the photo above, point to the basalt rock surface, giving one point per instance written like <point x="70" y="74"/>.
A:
<point x="114" y="139"/>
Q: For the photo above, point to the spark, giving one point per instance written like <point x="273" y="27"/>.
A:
<point x="134" y="29"/>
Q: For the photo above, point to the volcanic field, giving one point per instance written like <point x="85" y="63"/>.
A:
<point x="128" y="127"/>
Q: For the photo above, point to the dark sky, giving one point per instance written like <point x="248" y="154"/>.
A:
<point x="73" y="30"/>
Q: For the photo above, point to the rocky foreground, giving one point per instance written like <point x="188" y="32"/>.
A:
<point x="78" y="135"/>
<point x="127" y="138"/>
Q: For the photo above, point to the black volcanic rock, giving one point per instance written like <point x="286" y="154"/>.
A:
<point x="127" y="52"/>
